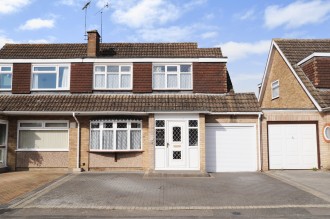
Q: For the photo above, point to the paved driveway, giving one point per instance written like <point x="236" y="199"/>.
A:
<point x="125" y="191"/>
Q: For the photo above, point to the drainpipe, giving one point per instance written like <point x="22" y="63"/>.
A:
<point x="78" y="139"/>
<point x="259" y="142"/>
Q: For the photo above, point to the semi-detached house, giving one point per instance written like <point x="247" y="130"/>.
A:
<point x="123" y="106"/>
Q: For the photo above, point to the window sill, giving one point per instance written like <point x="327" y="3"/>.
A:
<point x="40" y="150"/>
<point x="67" y="89"/>
<point x="274" y="98"/>
<point x="115" y="151"/>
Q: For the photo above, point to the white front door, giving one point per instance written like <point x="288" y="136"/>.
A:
<point x="176" y="144"/>
<point x="3" y="143"/>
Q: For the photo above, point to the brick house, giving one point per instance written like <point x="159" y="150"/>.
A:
<point x="123" y="106"/>
<point x="295" y="100"/>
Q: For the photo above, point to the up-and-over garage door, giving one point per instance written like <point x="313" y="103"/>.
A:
<point x="231" y="147"/>
<point x="292" y="146"/>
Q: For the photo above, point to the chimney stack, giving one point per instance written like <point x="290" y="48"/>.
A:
<point x="93" y="45"/>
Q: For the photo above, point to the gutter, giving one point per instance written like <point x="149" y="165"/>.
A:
<point x="77" y="169"/>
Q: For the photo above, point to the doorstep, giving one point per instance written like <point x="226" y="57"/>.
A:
<point x="175" y="173"/>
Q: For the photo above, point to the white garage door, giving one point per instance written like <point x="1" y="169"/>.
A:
<point x="231" y="147"/>
<point x="292" y="146"/>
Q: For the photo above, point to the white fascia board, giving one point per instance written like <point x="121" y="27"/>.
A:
<point x="290" y="110"/>
<point x="113" y="60"/>
<point x="315" y="54"/>
<point x="235" y="113"/>
<point x="297" y="77"/>
<point x="263" y="85"/>
<point x="70" y="113"/>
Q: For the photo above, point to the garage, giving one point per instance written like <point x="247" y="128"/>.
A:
<point x="231" y="147"/>
<point x="292" y="146"/>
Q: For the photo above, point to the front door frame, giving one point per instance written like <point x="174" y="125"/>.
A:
<point x="5" y="148"/>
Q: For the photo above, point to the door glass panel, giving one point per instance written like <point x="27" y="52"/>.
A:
<point x="193" y="137"/>
<point x="3" y="134"/>
<point x="160" y="137"/>
<point x="176" y="134"/>
<point x="176" y="155"/>
<point x="1" y="155"/>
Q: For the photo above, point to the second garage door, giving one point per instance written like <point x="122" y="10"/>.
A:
<point x="292" y="146"/>
<point x="231" y="147"/>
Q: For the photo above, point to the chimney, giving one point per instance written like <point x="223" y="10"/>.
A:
<point x="93" y="45"/>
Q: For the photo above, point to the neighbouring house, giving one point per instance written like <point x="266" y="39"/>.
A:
<point x="124" y="106"/>
<point x="295" y="100"/>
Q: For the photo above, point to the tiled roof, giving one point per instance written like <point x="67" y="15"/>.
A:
<point x="109" y="50"/>
<point x="239" y="102"/>
<point x="296" y="50"/>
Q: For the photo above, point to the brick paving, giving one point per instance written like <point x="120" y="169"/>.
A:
<point x="16" y="184"/>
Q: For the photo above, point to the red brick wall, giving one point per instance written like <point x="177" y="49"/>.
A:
<point x="81" y="78"/>
<point x="142" y="77"/>
<point x="318" y="71"/>
<point x="21" y="78"/>
<point x="209" y="77"/>
<point x="309" y="69"/>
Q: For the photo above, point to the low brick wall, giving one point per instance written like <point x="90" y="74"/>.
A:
<point x="37" y="159"/>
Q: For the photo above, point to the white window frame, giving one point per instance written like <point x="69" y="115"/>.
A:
<point x="115" y="129"/>
<point x="7" y="72"/>
<point x="325" y="134"/>
<point x="275" y="87"/>
<point x="172" y="73"/>
<point x="120" y="73"/>
<point x="57" y="72"/>
<point x="43" y="127"/>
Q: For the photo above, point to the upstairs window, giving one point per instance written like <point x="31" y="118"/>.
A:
<point x="50" y="77"/>
<point x="175" y="77"/>
<point x="275" y="89"/>
<point x="6" y="73"/>
<point x="113" y="77"/>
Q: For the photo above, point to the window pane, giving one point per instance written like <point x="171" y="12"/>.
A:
<point x="125" y="68"/>
<point x="172" y="81"/>
<point x="95" y="139"/>
<point x="62" y="125"/>
<point x="125" y="81"/>
<point x="113" y="68"/>
<point x="99" y="68"/>
<point x="135" y="125"/>
<point x="31" y="124"/>
<point x="121" y="140"/>
<point x="160" y="123"/>
<point x="1" y="155"/>
<point x="276" y="92"/>
<point x="95" y="125"/>
<point x="107" y="125"/>
<point x="5" y="81"/>
<point x="99" y="81"/>
<point x="185" y="81"/>
<point x="327" y="133"/>
<point x="107" y="139"/>
<point x="113" y="81"/>
<point x="121" y="125"/>
<point x="46" y="80"/>
<point x="3" y="130"/>
<point x="158" y="81"/>
<point x="193" y="123"/>
<point x="176" y="134"/>
<point x="5" y="68"/>
<point x="172" y="68"/>
<point x="135" y="139"/>
<point x="193" y="137"/>
<point x="159" y="69"/>
<point x="160" y="137"/>
<point x="63" y="80"/>
<point x="43" y="139"/>
<point x="176" y="155"/>
<point x="185" y="68"/>
<point x="44" y="68"/>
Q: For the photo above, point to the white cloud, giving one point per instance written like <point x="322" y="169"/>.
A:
<point x="145" y="13"/>
<point x="297" y="14"/>
<point x="241" y="50"/>
<point x="170" y="34"/>
<point x="4" y="39"/>
<point x="209" y="35"/>
<point x="248" y="15"/>
<point x="10" y="6"/>
<point x="49" y="39"/>
<point x="37" y="23"/>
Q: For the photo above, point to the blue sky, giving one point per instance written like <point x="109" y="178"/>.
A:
<point x="243" y="28"/>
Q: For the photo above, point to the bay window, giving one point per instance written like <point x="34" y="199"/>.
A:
<point x="43" y="135"/>
<point x="115" y="135"/>
<point x="176" y="77"/>
<point x="50" y="77"/>
<point x="113" y="77"/>
<point x="6" y="74"/>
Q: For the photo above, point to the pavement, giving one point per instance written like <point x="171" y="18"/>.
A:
<point x="286" y="194"/>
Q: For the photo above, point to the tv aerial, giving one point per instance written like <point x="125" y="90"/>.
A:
<point x="101" y="13"/>
<point x="85" y="8"/>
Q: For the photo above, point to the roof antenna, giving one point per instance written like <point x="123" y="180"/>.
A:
<point x="101" y="12"/>
<point x="85" y="8"/>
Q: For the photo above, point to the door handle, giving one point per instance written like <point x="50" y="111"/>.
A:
<point x="167" y="144"/>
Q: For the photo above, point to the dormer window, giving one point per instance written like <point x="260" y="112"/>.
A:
<point x="6" y="72"/>
<point x="172" y="77"/>
<point x="113" y="77"/>
<point x="50" y="77"/>
<point x="275" y="89"/>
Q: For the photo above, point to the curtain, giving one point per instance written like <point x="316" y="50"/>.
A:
<point x="64" y="77"/>
<point x="35" y="81"/>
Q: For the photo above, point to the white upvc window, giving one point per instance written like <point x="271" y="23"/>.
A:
<point x="50" y="77"/>
<point x="113" y="77"/>
<point x="275" y="89"/>
<point x="327" y="132"/>
<point x="172" y="77"/>
<point x="116" y="135"/>
<point x="40" y="135"/>
<point x="6" y="75"/>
